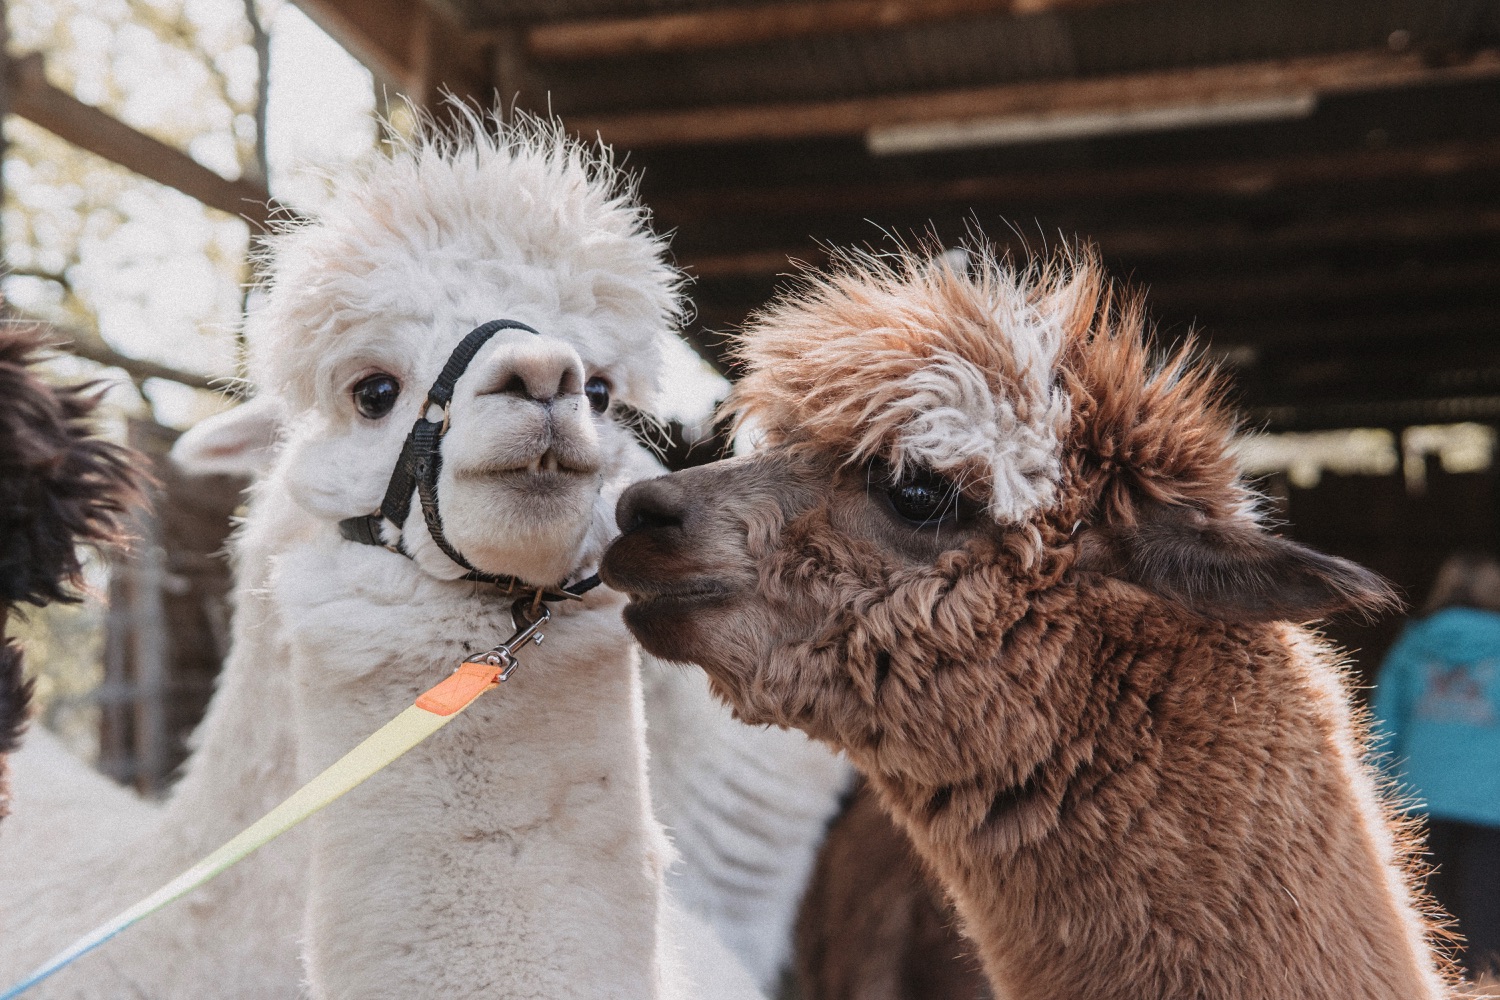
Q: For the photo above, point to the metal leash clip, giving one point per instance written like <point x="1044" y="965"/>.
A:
<point x="528" y="632"/>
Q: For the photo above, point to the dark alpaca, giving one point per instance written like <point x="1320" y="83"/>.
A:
<point x="60" y="487"/>
<point x="873" y="926"/>
<point x="1001" y="556"/>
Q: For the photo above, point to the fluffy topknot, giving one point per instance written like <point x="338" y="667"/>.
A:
<point x="480" y="204"/>
<point x="1021" y="384"/>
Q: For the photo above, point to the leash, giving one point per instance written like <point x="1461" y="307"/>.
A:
<point x="416" y="472"/>
<point x="434" y="709"/>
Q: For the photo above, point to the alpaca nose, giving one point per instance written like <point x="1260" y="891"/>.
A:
<point x="655" y="503"/>
<point x="536" y="371"/>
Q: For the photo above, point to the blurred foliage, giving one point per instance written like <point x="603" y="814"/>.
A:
<point x="90" y="244"/>
<point x="64" y="651"/>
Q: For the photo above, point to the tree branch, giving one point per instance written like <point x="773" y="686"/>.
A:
<point x="89" y="345"/>
<point x="260" y="38"/>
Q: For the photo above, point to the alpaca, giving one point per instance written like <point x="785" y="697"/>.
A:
<point x="1005" y="562"/>
<point x="235" y="938"/>
<point x="514" y="854"/>
<point x="60" y="487"/>
<point x="746" y="807"/>
<point x="872" y="926"/>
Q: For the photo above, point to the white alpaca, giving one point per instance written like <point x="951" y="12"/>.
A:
<point x="410" y="266"/>
<point x="540" y="872"/>
<point x="745" y="806"/>
<point x="78" y="848"/>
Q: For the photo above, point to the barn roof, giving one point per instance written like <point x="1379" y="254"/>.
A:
<point x="1315" y="184"/>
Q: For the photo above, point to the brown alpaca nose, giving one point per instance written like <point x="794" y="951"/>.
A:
<point x="539" y="372"/>
<point x="655" y="503"/>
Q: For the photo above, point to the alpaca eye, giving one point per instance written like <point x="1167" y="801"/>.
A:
<point x="375" y="396"/>
<point x="923" y="498"/>
<point x="597" y="391"/>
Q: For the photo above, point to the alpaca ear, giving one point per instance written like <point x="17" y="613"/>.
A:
<point x="1232" y="569"/>
<point x="238" y="442"/>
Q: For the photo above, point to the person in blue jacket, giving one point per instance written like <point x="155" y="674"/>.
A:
<point x="1437" y="720"/>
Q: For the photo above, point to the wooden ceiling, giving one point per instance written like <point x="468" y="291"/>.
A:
<point x="1312" y="184"/>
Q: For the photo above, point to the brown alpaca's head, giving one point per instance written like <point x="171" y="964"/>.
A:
<point x="949" y="458"/>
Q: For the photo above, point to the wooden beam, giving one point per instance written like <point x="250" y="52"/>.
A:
<point x="1331" y="416"/>
<point x="1135" y="94"/>
<point x="1387" y="228"/>
<point x="379" y="33"/>
<point x="1129" y="245"/>
<point x="59" y="112"/>
<point x="1267" y="293"/>
<point x="416" y="48"/>
<point x="1231" y="178"/>
<point x="754" y="263"/>
<point x="1389" y="325"/>
<point x="738" y="26"/>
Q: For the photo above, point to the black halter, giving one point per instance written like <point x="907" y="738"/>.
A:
<point x="417" y="471"/>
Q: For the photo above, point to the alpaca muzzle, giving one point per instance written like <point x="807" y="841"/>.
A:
<point x="421" y="462"/>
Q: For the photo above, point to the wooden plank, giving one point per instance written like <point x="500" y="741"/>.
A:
<point x="415" y="48"/>
<point x="1233" y="178"/>
<point x="609" y="38"/>
<point x="379" y="33"/>
<point x="1266" y="294"/>
<point x="1215" y="240"/>
<point x="1312" y="416"/>
<point x="1134" y="94"/>
<point x="59" y="112"/>
<point x="1388" y="325"/>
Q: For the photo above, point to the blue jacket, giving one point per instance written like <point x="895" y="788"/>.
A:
<point x="1437" y="714"/>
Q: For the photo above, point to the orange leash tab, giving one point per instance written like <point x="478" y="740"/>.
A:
<point x="465" y="684"/>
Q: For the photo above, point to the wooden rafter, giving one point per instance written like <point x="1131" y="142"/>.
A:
<point x="1133" y="94"/>
<point x="1138" y="243"/>
<point x="34" y="98"/>
<point x="413" y="47"/>
<point x="738" y="26"/>
<point x="1240" y="177"/>
<point x="379" y="33"/>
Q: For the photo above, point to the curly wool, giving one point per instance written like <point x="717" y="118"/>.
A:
<point x="1002" y="379"/>
<point x="61" y="487"/>
<point x="1094" y="719"/>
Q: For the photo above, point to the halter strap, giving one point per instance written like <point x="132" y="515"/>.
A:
<point x="421" y="461"/>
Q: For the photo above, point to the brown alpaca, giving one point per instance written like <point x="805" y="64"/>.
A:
<point x="1004" y="561"/>
<point x="871" y="925"/>
<point x="60" y="487"/>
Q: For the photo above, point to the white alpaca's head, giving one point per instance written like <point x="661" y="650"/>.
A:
<point x="365" y="305"/>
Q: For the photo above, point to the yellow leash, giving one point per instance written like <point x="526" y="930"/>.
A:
<point x="436" y="707"/>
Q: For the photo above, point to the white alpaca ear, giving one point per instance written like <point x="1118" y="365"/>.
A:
<point x="1231" y="568"/>
<point x="237" y="442"/>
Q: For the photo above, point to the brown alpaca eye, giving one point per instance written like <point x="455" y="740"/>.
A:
<point x="375" y="396"/>
<point x="597" y="391"/>
<point x="923" y="498"/>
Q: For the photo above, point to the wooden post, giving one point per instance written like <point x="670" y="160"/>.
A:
<point x="148" y="654"/>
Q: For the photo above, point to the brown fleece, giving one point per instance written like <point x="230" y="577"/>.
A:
<point x="1132" y="773"/>
<point x="872" y="927"/>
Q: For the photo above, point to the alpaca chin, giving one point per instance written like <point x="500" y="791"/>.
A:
<point x="527" y="525"/>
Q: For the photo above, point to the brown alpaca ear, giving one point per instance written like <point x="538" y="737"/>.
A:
<point x="1231" y="569"/>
